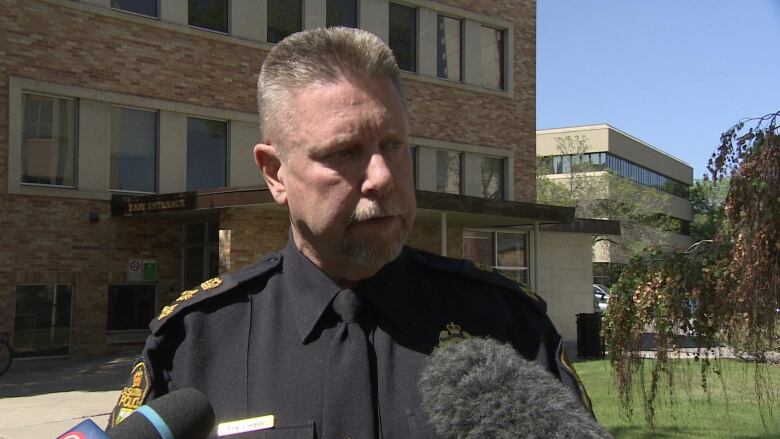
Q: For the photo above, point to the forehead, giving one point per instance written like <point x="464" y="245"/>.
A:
<point x="349" y="107"/>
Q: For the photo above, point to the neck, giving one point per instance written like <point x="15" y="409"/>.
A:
<point x="342" y="271"/>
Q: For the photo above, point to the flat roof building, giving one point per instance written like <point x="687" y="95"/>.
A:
<point x="606" y="149"/>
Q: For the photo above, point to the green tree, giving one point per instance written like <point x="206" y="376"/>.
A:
<point x="707" y="199"/>
<point x="723" y="292"/>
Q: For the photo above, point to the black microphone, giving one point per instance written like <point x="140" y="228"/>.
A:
<point x="185" y="413"/>
<point x="480" y="388"/>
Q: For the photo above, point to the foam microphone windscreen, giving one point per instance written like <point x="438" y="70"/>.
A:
<point x="479" y="388"/>
<point x="185" y="413"/>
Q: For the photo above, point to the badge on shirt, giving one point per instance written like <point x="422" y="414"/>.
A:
<point x="452" y="334"/>
<point x="245" y="425"/>
<point x="133" y="395"/>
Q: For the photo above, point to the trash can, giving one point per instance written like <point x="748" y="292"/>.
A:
<point x="589" y="335"/>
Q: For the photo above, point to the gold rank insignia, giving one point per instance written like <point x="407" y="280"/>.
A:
<point x="452" y="334"/>
<point x="483" y="267"/>
<point x="186" y="295"/>
<point x="211" y="283"/>
<point x="528" y="291"/>
<point x="167" y="310"/>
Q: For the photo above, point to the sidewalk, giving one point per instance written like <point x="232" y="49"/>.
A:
<point x="44" y="398"/>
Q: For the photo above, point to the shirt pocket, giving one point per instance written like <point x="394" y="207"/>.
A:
<point x="292" y="430"/>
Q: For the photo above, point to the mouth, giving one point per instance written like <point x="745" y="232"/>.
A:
<point x="377" y="220"/>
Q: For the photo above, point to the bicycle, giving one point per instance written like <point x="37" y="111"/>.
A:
<point x="6" y="353"/>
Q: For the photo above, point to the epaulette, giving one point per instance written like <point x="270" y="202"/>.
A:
<point x="480" y="272"/>
<point x="212" y="288"/>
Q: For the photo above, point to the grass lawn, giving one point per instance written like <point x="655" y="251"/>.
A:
<point x="734" y="415"/>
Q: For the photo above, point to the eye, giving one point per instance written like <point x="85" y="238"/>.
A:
<point x="352" y="151"/>
<point x="394" y="145"/>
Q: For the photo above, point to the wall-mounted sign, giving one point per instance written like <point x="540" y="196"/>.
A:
<point x="124" y="205"/>
<point x="135" y="270"/>
<point x="141" y="270"/>
<point x="150" y="270"/>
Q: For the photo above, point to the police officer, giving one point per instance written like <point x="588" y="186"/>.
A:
<point x="328" y="336"/>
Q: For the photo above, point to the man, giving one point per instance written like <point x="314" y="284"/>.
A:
<point x="329" y="334"/>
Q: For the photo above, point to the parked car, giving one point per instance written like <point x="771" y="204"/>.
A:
<point x="600" y="298"/>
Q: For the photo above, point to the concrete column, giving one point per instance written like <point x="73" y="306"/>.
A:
<point x="94" y="149"/>
<point x="314" y="13"/>
<point x="427" y="43"/>
<point x="472" y="52"/>
<point x="173" y="152"/>
<point x="375" y="18"/>
<point x="224" y="250"/>
<point x="174" y="11"/>
<point x="243" y="171"/>
<point x="248" y="19"/>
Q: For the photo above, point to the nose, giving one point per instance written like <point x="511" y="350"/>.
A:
<point x="379" y="176"/>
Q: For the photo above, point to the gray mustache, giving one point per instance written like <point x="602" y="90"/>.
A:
<point x="370" y="209"/>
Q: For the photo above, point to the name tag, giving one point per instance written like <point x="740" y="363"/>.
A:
<point x="245" y="425"/>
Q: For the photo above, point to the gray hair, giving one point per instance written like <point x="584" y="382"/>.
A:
<point x="319" y="57"/>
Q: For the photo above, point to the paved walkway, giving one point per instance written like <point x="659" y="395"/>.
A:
<point x="43" y="399"/>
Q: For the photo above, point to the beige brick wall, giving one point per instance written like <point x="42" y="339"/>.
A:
<point x="48" y="41"/>
<point x="49" y="239"/>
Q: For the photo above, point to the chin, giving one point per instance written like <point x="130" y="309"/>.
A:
<point x="372" y="255"/>
<point x="375" y="250"/>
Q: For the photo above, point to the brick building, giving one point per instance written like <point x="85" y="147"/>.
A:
<point x="126" y="170"/>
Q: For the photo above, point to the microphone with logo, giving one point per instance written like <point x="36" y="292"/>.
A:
<point x="480" y="388"/>
<point x="185" y="413"/>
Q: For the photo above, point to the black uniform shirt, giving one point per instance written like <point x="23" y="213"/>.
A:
<point x="255" y="342"/>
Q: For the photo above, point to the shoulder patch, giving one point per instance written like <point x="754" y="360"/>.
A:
<point x="211" y="288"/>
<point x="480" y="272"/>
<point x="133" y="395"/>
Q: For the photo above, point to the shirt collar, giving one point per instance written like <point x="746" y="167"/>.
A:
<point x="390" y="290"/>
<point x="310" y="290"/>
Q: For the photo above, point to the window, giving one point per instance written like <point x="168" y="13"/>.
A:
<point x="403" y="36"/>
<point x="142" y="7"/>
<point x="599" y="161"/>
<point x="448" y="166"/>
<point x="449" y="48"/>
<point x="201" y="252"/>
<point x="209" y="14"/>
<point x="133" y="150"/>
<point x="206" y="153"/>
<point x="285" y="17"/>
<point x="42" y="325"/>
<point x="130" y="307"/>
<point x="504" y="251"/>
<point x="511" y="256"/>
<point x="341" y="13"/>
<point x="48" y="140"/>
<point x="492" y="178"/>
<point x="492" y="42"/>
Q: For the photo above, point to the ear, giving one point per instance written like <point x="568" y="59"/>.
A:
<point x="270" y="165"/>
